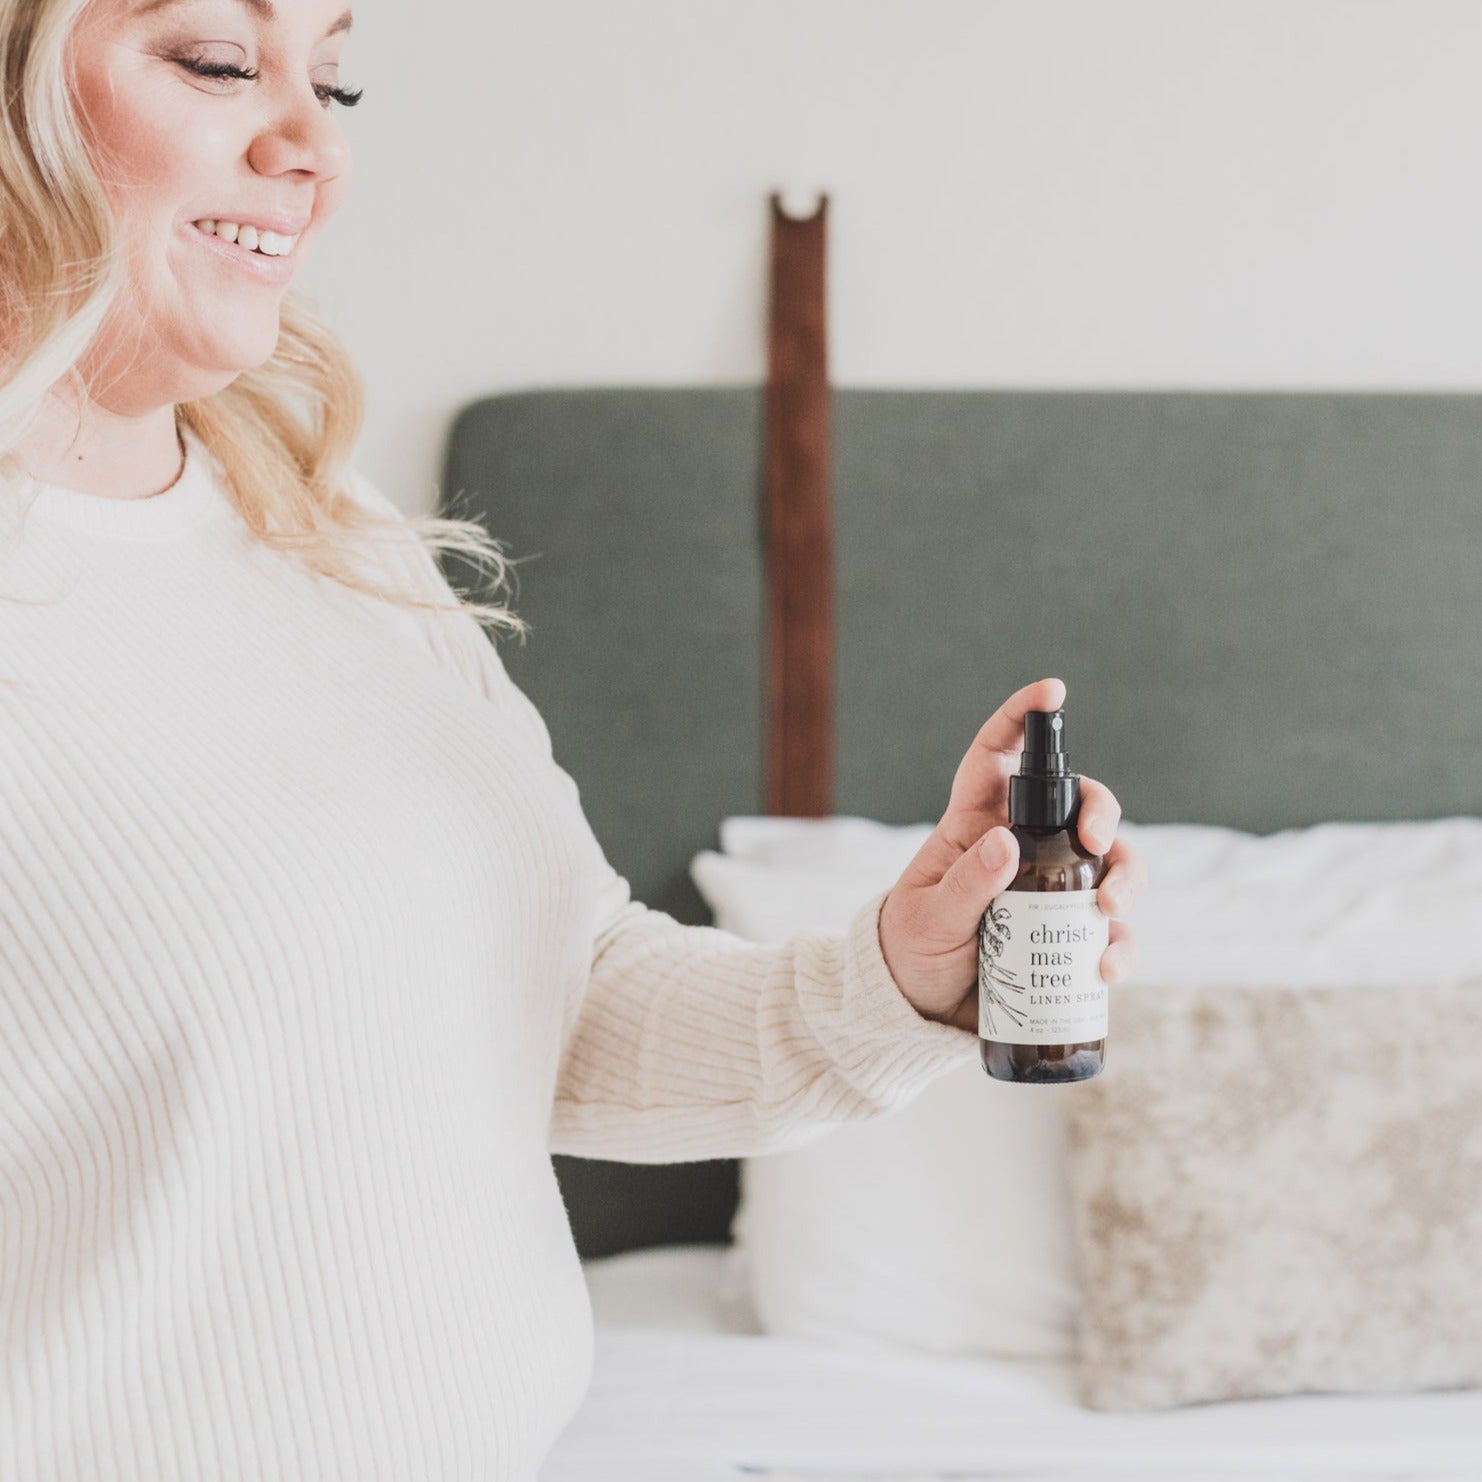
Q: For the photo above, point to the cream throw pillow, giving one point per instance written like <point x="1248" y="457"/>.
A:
<point x="1278" y="1191"/>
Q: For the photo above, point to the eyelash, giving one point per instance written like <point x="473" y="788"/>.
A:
<point x="346" y="99"/>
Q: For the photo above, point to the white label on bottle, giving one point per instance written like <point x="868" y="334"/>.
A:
<point x="1039" y="968"/>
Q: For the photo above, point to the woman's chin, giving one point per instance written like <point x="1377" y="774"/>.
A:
<point x="245" y="351"/>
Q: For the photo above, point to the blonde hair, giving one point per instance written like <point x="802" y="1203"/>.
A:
<point x="283" y="432"/>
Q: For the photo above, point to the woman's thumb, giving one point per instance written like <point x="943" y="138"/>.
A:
<point x="998" y="859"/>
<point x="983" y="872"/>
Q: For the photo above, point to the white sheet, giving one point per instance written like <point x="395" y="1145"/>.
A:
<point x="683" y="1392"/>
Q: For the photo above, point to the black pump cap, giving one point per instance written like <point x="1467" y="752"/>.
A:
<point x="1044" y="793"/>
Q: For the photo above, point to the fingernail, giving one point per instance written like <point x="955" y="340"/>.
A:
<point x="994" y="848"/>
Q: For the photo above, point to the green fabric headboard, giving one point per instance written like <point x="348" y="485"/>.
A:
<point x="1267" y="609"/>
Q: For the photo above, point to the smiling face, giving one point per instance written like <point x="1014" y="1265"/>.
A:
<point x="182" y="139"/>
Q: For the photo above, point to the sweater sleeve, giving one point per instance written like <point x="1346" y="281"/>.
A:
<point x="688" y="1042"/>
<point x="692" y="1043"/>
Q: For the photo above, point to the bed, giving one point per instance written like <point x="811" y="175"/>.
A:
<point x="1266" y="609"/>
<point x="683" y="1389"/>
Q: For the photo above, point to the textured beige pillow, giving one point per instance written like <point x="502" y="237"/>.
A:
<point x="1279" y="1191"/>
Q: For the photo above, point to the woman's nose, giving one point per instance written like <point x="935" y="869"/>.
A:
<point x="301" y="136"/>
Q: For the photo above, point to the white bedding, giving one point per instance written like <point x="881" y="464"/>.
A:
<point x="685" y="1390"/>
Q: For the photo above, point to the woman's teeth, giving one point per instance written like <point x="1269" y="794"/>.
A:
<point x="270" y="244"/>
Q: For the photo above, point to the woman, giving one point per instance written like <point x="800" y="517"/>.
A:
<point x="308" y="957"/>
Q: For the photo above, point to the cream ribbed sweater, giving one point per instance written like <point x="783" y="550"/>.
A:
<point x="308" y="960"/>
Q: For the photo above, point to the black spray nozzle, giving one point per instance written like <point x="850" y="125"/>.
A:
<point x="1044" y="793"/>
<point x="1044" y="744"/>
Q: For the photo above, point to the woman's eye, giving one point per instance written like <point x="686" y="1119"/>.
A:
<point x="327" y="93"/>
<point x="334" y="94"/>
<point x="217" y="69"/>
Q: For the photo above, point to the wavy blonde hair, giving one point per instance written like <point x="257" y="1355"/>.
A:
<point x="283" y="433"/>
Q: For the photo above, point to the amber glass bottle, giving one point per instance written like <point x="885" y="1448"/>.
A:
<point x="1042" y="1004"/>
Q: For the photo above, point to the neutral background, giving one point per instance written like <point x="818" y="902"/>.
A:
<point x="1150" y="193"/>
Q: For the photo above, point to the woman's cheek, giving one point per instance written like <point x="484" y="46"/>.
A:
<point x="331" y="194"/>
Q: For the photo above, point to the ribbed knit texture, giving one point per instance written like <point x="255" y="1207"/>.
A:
<point x="308" y="959"/>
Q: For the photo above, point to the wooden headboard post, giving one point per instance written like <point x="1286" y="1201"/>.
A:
<point x="797" y="524"/>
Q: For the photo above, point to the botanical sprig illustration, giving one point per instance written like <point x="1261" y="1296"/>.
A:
<point x="994" y="979"/>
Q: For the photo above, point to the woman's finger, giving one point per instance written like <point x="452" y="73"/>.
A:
<point x="1121" y="955"/>
<point x="1099" y="816"/>
<point x="1124" y="880"/>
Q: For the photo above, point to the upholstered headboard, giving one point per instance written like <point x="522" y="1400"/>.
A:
<point x="1267" y="609"/>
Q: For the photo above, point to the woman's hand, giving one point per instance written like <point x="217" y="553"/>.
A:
<point x="929" y="921"/>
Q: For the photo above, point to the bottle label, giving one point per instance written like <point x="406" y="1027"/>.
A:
<point x="1039" y="968"/>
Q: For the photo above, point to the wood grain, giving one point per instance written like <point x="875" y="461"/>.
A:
<point x="797" y="522"/>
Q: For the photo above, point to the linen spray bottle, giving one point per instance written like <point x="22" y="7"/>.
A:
<point x="1042" y="1003"/>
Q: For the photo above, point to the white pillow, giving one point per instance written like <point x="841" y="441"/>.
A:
<point x="945" y="1226"/>
<point x="859" y="1237"/>
<point x="1331" y="905"/>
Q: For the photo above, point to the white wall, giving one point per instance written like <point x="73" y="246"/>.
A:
<point x="1099" y="193"/>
